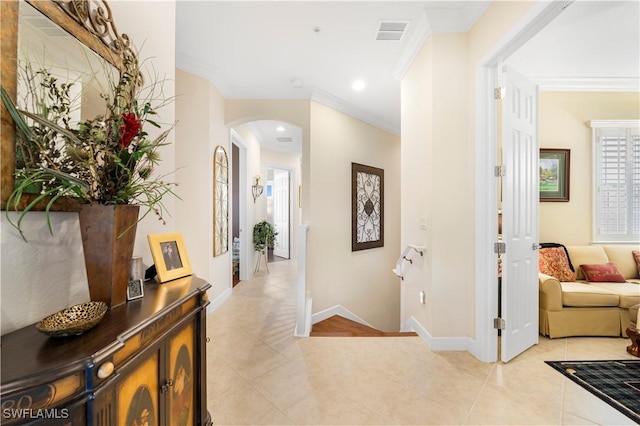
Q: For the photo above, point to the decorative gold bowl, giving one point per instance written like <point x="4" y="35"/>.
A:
<point x="74" y="320"/>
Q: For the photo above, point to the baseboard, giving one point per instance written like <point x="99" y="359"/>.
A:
<point x="338" y="310"/>
<point x="218" y="301"/>
<point x="437" y="343"/>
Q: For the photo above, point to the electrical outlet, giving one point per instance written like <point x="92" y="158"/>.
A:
<point x="422" y="297"/>
<point x="423" y="222"/>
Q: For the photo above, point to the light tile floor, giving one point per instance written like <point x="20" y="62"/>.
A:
<point x="258" y="373"/>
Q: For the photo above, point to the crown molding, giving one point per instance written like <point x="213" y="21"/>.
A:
<point x="338" y="104"/>
<point x="587" y="84"/>
<point x="412" y="49"/>
<point x="200" y="69"/>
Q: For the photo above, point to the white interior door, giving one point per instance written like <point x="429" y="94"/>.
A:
<point x="520" y="199"/>
<point x="281" y="212"/>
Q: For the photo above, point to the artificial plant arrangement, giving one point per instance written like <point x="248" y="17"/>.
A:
<point x="107" y="159"/>
<point x="264" y="235"/>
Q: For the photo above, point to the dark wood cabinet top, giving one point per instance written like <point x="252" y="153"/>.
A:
<point x="28" y="354"/>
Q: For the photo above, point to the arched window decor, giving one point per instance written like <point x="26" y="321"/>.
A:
<point x="220" y="201"/>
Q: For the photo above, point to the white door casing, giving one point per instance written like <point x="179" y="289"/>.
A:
<point x="520" y="198"/>
<point x="281" y="212"/>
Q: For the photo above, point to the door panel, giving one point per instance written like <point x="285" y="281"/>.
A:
<point x="520" y="197"/>
<point x="281" y="212"/>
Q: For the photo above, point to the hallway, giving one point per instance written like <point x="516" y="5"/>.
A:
<point x="258" y="373"/>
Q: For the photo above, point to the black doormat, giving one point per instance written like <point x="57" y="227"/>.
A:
<point x="615" y="382"/>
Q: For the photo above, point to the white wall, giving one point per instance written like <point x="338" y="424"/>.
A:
<point x="360" y="281"/>
<point x="200" y="129"/>
<point x="438" y="187"/>
<point x="564" y="118"/>
<point x="438" y="128"/>
<point x="47" y="274"/>
<point x="417" y="183"/>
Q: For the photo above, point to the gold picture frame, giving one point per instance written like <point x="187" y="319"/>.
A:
<point x="169" y="256"/>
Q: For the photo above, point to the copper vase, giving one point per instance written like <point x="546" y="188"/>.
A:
<point x="108" y="236"/>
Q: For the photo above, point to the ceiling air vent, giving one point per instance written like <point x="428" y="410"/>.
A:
<point x="391" y="30"/>
<point x="284" y="139"/>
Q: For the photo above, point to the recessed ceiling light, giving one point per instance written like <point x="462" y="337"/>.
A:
<point x="358" y="85"/>
<point x="280" y="129"/>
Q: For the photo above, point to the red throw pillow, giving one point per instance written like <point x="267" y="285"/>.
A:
<point x="636" y="257"/>
<point x="602" y="273"/>
<point x="554" y="261"/>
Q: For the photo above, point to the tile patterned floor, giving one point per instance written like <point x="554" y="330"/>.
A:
<point x="259" y="374"/>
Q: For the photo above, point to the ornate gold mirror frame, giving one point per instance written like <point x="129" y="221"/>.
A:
<point x="220" y="201"/>
<point x="91" y="23"/>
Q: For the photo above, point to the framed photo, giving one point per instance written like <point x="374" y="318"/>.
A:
<point x="169" y="255"/>
<point x="554" y="174"/>
<point x="135" y="289"/>
<point x="367" y="207"/>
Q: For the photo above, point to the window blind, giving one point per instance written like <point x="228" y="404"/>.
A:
<point x="617" y="191"/>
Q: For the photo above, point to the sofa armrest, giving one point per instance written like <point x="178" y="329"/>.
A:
<point x="550" y="293"/>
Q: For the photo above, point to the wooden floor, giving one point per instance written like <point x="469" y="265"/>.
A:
<point x="337" y="326"/>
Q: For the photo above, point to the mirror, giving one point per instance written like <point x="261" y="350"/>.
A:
<point x="220" y="201"/>
<point x="23" y="26"/>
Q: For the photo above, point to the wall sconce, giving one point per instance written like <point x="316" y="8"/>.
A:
<point x="256" y="189"/>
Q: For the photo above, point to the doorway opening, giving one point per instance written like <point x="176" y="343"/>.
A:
<point x="265" y="186"/>
<point x="235" y="214"/>
<point x="487" y="191"/>
<point x="278" y="198"/>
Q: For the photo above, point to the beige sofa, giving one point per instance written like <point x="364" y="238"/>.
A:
<point x="582" y="308"/>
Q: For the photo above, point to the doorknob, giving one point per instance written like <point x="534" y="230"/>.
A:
<point x="166" y="386"/>
<point x="535" y="246"/>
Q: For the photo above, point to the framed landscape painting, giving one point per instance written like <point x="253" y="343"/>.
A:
<point x="554" y="174"/>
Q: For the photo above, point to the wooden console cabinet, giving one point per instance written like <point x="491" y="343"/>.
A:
<point x="143" y="364"/>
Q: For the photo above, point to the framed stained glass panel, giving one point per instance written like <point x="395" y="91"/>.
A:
<point x="367" y="207"/>
<point x="220" y="201"/>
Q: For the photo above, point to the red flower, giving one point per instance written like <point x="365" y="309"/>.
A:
<point x="129" y="129"/>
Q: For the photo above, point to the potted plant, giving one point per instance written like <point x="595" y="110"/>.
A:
<point x="264" y="235"/>
<point x="105" y="163"/>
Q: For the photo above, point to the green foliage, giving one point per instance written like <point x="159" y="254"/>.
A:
<point x="108" y="159"/>
<point x="264" y="235"/>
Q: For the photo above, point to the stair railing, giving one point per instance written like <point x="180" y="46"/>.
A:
<point x="399" y="269"/>
<point x="303" y="297"/>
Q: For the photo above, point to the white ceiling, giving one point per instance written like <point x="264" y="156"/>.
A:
<point x="316" y="49"/>
<point x="590" y="45"/>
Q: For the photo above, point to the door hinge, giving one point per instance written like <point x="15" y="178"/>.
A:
<point x="499" y="324"/>
<point x="499" y="92"/>
<point x="500" y="247"/>
<point x="499" y="171"/>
